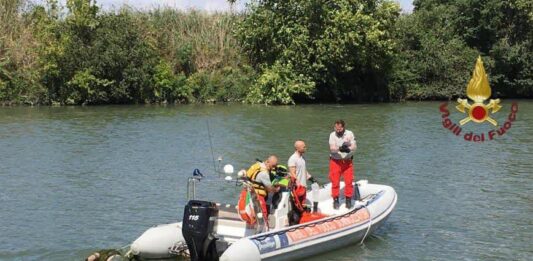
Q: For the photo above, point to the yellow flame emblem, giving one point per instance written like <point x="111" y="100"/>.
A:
<point x="478" y="90"/>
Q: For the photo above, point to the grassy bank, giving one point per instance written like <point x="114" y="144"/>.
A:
<point x="276" y="52"/>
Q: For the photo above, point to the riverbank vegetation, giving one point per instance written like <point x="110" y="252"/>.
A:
<point x="274" y="52"/>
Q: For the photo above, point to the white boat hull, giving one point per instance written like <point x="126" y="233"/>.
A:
<point x="156" y="241"/>
<point x="318" y="236"/>
<point x="341" y="228"/>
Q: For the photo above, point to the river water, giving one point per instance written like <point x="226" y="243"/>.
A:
<point x="77" y="179"/>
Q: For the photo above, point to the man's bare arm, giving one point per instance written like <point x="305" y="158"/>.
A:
<point x="292" y="171"/>
<point x="272" y="189"/>
<point x="333" y="148"/>
<point x="353" y="145"/>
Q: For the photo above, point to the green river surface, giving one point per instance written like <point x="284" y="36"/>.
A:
<point x="77" y="179"/>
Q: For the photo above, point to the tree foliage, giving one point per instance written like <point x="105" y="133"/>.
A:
<point x="275" y="52"/>
<point x="338" y="50"/>
<point x="80" y="54"/>
<point x="438" y="44"/>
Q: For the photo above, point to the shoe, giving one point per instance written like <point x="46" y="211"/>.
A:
<point x="348" y="201"/>
<point x="336" y="203"/>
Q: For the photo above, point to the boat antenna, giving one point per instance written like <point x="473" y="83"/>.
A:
<point x="211" y="146"/>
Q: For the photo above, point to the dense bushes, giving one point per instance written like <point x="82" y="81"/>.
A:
<point x="430" y="63"/>
<point x="19" y="79"/>
<point x="82" y="55"/>
<point x="438" y="44"/>
<point x="101" y="59"/>
<point x="335" y="50"/>
<point x="276" y="52"/>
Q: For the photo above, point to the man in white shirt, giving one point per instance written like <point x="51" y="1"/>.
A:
<point x="296" y="164"/>
<point x="342" y="146"/>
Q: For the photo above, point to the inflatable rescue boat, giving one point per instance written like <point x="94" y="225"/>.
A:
<point x="211" y="231"/>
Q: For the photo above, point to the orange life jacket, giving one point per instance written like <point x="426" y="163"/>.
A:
<point x="299" y="195"/>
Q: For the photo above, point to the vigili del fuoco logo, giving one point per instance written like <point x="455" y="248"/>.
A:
<point x="478" y="90"/>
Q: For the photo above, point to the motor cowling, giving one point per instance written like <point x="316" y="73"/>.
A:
<point x="199" y="226"/>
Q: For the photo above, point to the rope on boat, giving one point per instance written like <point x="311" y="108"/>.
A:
<point x="369" y="225"/>
<point x="129" y="254"/>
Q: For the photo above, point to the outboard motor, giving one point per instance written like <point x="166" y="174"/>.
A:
<point x="199" y="226"/>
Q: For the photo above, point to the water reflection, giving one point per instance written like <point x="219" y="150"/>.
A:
<point x="75" y="179"/>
